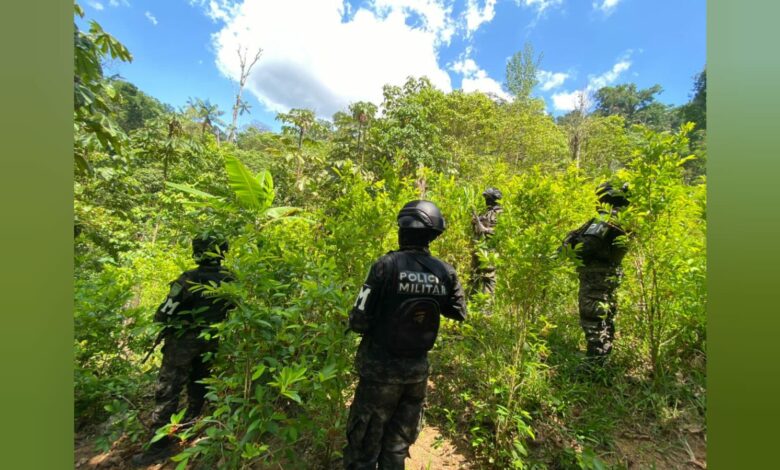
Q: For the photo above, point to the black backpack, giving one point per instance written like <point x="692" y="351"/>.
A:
<point x="598" y="240"/>
<point x="411" y="327"/>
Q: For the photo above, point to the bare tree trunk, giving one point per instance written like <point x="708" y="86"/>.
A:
<point x="576" y="148"/>
<point x="246" y="68"/>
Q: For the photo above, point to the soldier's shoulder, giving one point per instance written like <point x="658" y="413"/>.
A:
<point x="385" y="258"/>
<point x="187" y="276"/>
<point x="447" y="266"/>
<point x="383" y="263"/>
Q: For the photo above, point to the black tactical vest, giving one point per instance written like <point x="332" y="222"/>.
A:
<point x="599" y="244"/>
<point x="193" y="305"/>
<point x="417" y="289"/>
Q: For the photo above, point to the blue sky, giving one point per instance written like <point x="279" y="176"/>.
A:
<point x="324" y="54"/>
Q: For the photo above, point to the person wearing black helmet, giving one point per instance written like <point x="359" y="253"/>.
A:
<point x="188" y="309"/>
<point x="600" y="245"/>
<point x="398" y="312"/>
<point x="484" y="225"/>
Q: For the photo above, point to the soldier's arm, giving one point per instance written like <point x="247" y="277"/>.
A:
<point x="571" y="238"/>
<point x="479" y="227"/>
<point x="172" y="302"/>
<point x="364" y="309"/>
<point x="456" y="308"/>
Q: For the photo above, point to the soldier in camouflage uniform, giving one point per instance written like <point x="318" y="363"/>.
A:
<point x="398" y="311"/>
<point x="187" y="311"/>
<point x="484" y="225"/>
<point x="600" y="246"/>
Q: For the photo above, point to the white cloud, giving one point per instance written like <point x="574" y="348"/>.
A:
<point x="116" y="3"/>
<point x="436" y="16"/>
<point x="476" y="79"/>
<point x="610" y="76"/>
<point x="475" y="16"/>
<point x="96" y="5"/>
<point x="606" y="5"/>
<point x="540" y="5"/>
<point x="150" y="17"/>
<point x="465" y="66"/>
<point x="481" y="82"/>
<point x="568" y="101"/>
<point x="328" y="61"/>
<point x="549" y="80"/>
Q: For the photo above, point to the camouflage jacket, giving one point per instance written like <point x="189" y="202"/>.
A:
<point x="189" y="303"/>
<point x="484" y="224"/>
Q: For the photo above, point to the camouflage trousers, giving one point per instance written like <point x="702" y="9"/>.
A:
<point x="485" y="281"/>
<point x="483" y="278"/>
<point x="598" y="306"/>
<point x="384" y="421"/>
<point x="182" y="365"/>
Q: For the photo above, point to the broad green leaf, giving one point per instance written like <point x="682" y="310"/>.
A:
<point x="258" y="371"/>
<point x="249" y="191"/>
<point x="283" y="211"/>
<point x="190" y="190"/>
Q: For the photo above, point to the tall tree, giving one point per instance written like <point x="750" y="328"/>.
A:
<point x="363" y="113"/>
<point x="521" y="72"/>
<point x="576" y="125"/>
<point x="241" y="106"/>
<point x="208" y="115"/>
<point x="301" y="120"/>
<point x="634" y="105"/>
<point x="695" y="110"/>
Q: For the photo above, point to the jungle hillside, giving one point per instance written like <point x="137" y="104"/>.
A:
<point x="309" y="208"/>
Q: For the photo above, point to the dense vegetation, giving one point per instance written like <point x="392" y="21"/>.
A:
<point x="308" y="209"/>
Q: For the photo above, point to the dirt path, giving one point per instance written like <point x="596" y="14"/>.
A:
<point x="432" y="451"/>
<point x="118" y="457"/>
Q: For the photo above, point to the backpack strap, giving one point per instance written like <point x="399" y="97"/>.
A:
<point x="436" y="268"/>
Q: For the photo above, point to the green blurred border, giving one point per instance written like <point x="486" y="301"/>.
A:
<point x="36" y="180"/>
<point x="36" y="397"/>
<point x="744" y="230"/>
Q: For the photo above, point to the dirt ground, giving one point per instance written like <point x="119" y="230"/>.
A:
<point x="635" y="451"/>
<point x="433" y="451"/>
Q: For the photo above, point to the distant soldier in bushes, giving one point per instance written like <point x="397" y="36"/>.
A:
<point x="484" y="225"/>
<point x="188" y="310"/>
<point x="600" y="246"/>
<point x="398" y="312"/>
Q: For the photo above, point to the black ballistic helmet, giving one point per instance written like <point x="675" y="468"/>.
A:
<point x="421" y="215"/>
<point x="208" y="243"/>
<point x="608" y="194"/>
<point x="492" y="194"/>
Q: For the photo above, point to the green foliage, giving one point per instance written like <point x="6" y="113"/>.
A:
<point x="94" y="129"/>
<point x="695" y="111"/>
<point x="135" y="108"/>
<point x="666" y="220"/>
<point x="634" y="105"/>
